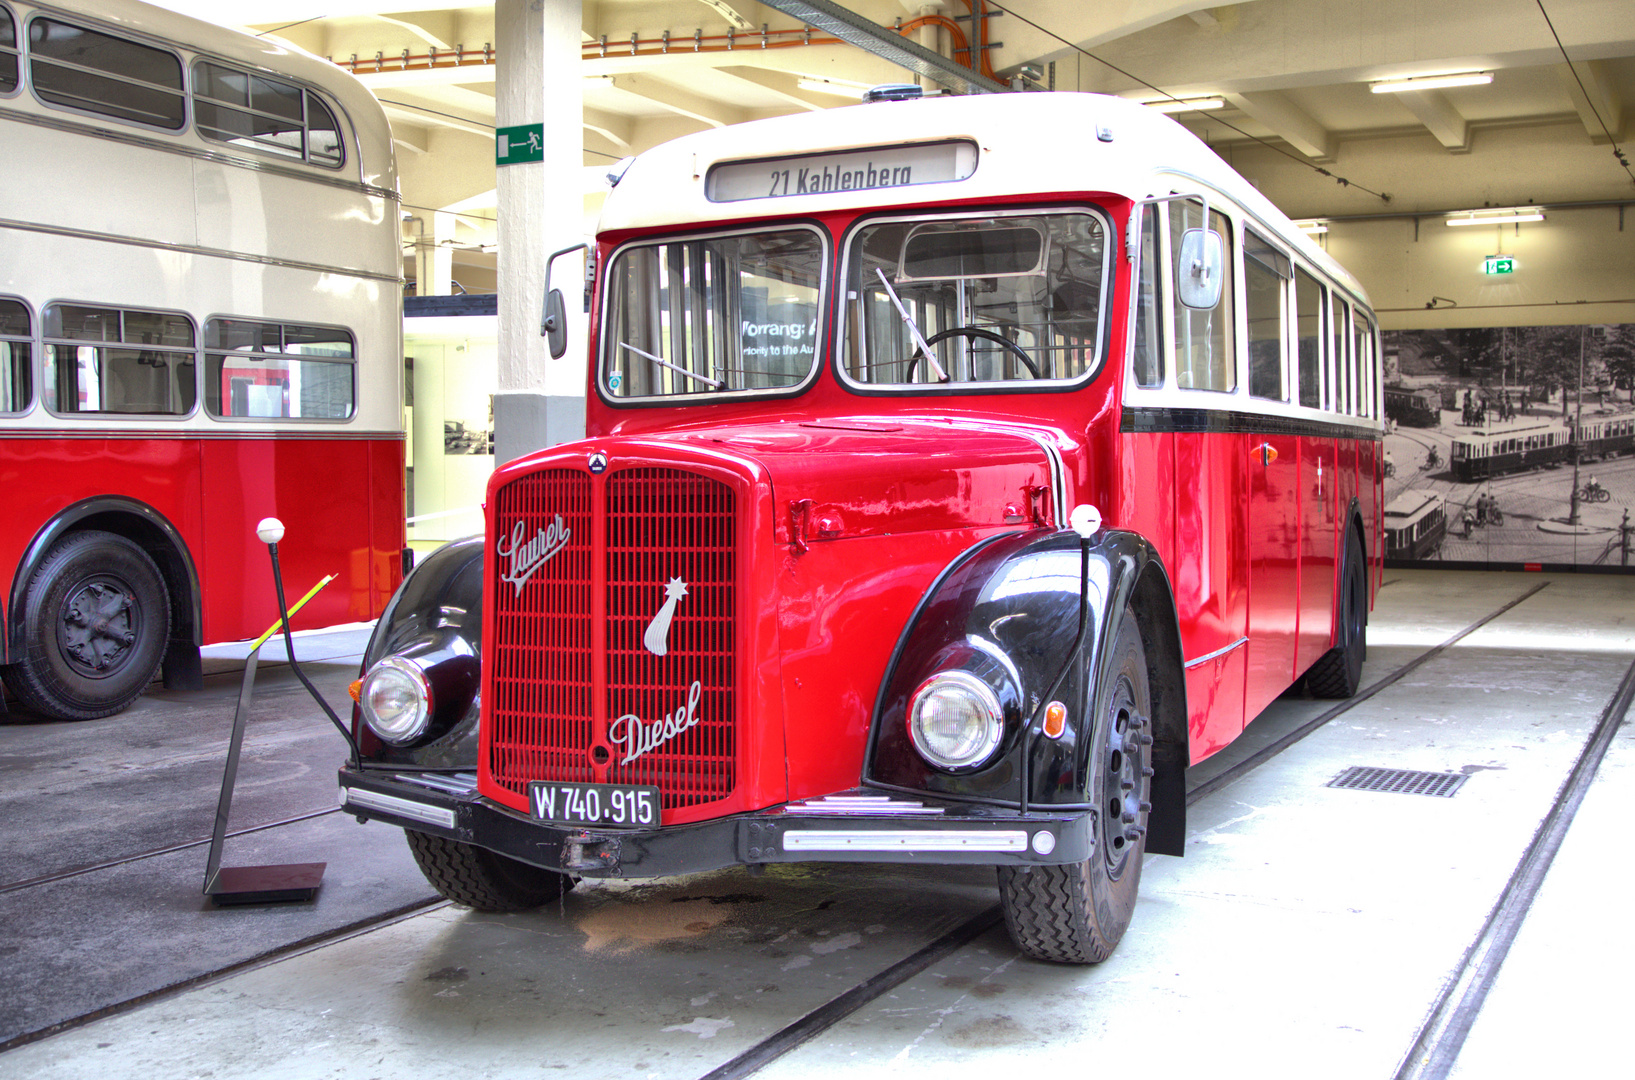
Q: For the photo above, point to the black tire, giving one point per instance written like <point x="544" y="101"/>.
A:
<point x="481" y="879"/>
<point x="1076" y="913"/>
<point x="1338" y="672"/>
<point x="96" y="619"/>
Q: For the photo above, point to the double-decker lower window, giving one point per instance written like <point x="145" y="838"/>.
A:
<point x="263" y="370"/>
<point x="113" y="360"/>
<point x="996" y="299"/>
<point x="15" y="336"/>
<point x="713" y="315"/>
<point x="77" y="68"/>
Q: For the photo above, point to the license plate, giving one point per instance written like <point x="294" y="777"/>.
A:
<point x="595" y="804"/>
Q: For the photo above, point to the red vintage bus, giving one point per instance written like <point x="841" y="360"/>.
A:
<point x="946" y="495"/>
<point x="200" y="326"/>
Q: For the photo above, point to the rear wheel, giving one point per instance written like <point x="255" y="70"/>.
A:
<point x="96" y="618"/>
<point x="1076" y="913"/>
<point x="481" y="879"/>
<point x="1338" y="672"/>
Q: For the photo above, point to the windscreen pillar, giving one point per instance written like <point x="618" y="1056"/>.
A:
<point x="539" y="401"/>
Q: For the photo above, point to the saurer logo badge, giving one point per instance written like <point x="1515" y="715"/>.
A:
<point x="527" y="555"/>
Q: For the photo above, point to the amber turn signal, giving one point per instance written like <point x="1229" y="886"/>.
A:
<point x="1055" y="719"/>
<point x="356" y="689"/>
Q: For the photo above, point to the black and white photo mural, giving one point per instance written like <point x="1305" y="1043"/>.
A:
<point x="1511" y="447"/>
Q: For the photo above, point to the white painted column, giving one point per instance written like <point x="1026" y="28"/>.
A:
<point x="539" y="401"/>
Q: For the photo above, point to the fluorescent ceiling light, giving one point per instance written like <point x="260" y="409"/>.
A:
<point x="1432" y="82"/>
<point x="1513" y="215"/>
<point x="1170" y="105"/>
<point x="1312" y="226"/>
<point x="824" y="86"/>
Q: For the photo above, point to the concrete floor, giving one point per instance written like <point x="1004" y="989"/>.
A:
<point x="1309" y="930"/>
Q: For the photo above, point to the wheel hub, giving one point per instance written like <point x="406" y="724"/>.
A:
<point x="98" y="627"/>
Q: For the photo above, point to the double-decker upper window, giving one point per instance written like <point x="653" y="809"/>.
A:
<point x="114" y="360"/>
<point x="263" y="370"/>
<point x="83" y="69"/>
<point x="262" y="113"/>
<point x="16" y="334"/>
<point x="712" y="315"/>
<point x="8" y="52"/>
<point x="993" y="299"/>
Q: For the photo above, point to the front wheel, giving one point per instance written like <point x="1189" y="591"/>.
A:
<point x="482" y="879"/>
<point x="96" y="618"/>
<point x="1076" y="914"/>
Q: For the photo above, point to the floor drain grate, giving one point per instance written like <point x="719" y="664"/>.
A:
<point x="1399" y="781"/>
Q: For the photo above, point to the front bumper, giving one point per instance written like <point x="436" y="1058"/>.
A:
<point x="857" y="826"/>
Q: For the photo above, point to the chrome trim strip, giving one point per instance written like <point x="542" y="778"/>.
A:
<point x="194" y="249"/>
<point x="855" y="805"/>
<point x="453" y="783"/>
<point x="219" y="158"/>
<point x="1207" y="657"/>
<point x="391" y="804"/>
<point x="1008" y="840"/>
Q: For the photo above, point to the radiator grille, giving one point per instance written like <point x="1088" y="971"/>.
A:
<point x="570" y="651"/>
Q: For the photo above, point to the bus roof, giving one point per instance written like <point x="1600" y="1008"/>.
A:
<point x="1044" y="142"/>
<point x="1410" y="504"/>
<point x="374" y="133"/>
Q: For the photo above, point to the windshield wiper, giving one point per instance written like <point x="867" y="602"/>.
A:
<point x="666" y="364"/>
<point x="913" y="328"/>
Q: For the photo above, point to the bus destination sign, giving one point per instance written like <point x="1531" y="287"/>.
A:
<point x="850" y="170"/>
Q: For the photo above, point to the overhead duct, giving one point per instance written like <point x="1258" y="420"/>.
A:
<point x="885" y="43"/>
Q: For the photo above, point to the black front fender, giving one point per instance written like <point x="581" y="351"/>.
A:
<point x="436" y="620"/>
<point x="1035" y="615"/>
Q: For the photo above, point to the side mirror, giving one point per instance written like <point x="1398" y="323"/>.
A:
<point x="1201" y="268"/>
<point x="555" y="324"/>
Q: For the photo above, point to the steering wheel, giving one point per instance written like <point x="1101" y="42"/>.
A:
<point x="977" y="332"/>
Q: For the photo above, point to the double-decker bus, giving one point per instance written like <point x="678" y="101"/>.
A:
<point x="200" y="325"/>
<point x="958" y="472"/>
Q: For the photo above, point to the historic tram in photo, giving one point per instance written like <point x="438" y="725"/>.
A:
<point x="949" y="488"/>
<point x="1416" y="523"/>
<point x="1413" y="408"/>
<point x="1512" y="447"/>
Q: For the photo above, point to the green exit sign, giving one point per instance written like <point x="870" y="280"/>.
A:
<point x="520" y="144"/>
<point x="1499" y="264"/>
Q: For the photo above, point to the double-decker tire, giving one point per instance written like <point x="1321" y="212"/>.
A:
<point x="1338" y="672"/>
<point x="96" y="618"/>
<point x="1076" y="913"/>
<point x="482" y="879"/>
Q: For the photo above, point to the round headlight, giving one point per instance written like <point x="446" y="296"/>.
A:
<point x="955" y="720"/>
<point x="396" y="700"/>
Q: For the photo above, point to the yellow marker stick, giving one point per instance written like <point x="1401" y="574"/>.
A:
<point x="297" y="606"/>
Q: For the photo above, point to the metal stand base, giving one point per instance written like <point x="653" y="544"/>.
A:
<point x="265" y="884"/>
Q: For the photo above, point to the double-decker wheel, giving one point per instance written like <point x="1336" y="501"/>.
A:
<point x="1076" y="913"/>
<point x="95" y="621"/>
<point x="482" y="879"/>
<point x="1338" y="672"/>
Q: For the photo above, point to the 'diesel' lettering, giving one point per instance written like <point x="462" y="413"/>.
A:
<point x="636" y="738"/>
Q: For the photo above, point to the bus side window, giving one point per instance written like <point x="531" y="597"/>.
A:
<point x="16" y="335"/>
<point x="1204" y="357"/>
<point x="1363" y="354"/>
<point x="1265" y="269"/>
<point x="109" y="360"/>
<point x="1339" y="399"/>
<point x="75" y="68"/>
<point x="273" y="371"/>
<point x="1146" y="355"/>
<point x="8" y="52"/>
<point x="1310" y="298"/>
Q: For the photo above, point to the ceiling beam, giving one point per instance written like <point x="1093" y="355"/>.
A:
<point x="674" y="99"/>
<point x="1437" y="113"/>
<point x="1288" y="122"/>
<point x="1601" y="107"/>
<point x="784" y="85"/>
<point x="885" y="42"/>
<point x="732" y="11"/>
<point x="426" y="118"/>
<point x="616" y="129"/>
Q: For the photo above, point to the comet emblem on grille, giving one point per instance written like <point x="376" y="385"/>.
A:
<point x="658" y="631"/>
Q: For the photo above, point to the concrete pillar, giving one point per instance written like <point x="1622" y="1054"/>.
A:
<point x="433" y="254"/>
<point x="539" y="401"/>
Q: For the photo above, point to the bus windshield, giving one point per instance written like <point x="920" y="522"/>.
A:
<point x="996" y="299"/>
<point x="713" y="315"/>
